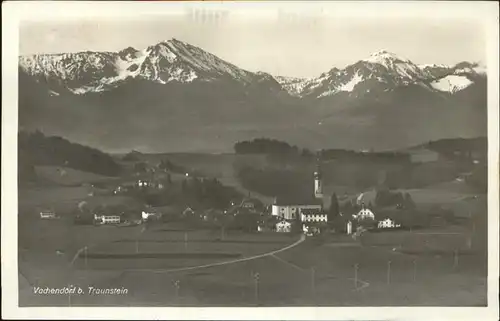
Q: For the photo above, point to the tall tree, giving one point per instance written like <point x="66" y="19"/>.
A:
<point x="334" y="208"/>
<point x="408" y="201"/>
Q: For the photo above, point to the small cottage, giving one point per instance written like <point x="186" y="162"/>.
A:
<point x="284" y="227"/>
<point x="47" y="215"/>
<point x="364" y="213"/>
<point x="387" y="223"/>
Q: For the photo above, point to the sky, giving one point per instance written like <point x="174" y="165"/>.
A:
<point x="299" y="46"/>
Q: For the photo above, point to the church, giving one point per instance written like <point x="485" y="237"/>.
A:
<point x="306" y="210"/>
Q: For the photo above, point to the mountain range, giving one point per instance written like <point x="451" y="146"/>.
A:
<point x="173" y="96"/>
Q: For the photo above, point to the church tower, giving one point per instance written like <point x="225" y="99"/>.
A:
<point x="318" y="184"/>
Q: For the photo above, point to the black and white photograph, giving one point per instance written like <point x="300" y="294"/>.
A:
<point x="196" y="155"/>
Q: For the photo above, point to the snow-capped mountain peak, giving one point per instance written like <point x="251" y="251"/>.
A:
<point x="166" y="61"/>
<point x="423" y="66"/>
<point x="385" y="56"/>
<point x="174" y="60"/>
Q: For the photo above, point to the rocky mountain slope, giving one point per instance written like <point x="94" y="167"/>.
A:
<point x="383" y="70"/>
<point x="173" y="96"/>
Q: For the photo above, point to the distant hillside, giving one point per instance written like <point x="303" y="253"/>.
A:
<point x="363" y="170"/>
<point x="37" y="149"/>
<point x="461" y="145"/>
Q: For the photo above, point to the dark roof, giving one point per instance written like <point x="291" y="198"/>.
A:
<point x="313" y="211"/>
<point x="311" y="200"/>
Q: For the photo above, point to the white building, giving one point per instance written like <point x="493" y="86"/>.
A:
<point x="387" y="223"/>
<point x="107" y="219"/>
<point x="147" y="216"/>
<point x="110" y="219"/>
<point x="47" y="215"/>
<point x="313" y="216"/>
<point x="364" y="213"/>
<point x="291" y="210"/>
<point x="349" y="227"/>
<point x="284" y="227"/>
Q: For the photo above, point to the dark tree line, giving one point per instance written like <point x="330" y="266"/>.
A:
<point x="194" y="192"/>
<point x="372" y="157"/>
<point x="37" y="149"/>
<point x="462" y="146"/>
<point x="209" y="193"/>
<point x="270" y="147"/>
<point x="385" y="197"/>
<point x="167" y="165"/>
<point x="133" y="156"/>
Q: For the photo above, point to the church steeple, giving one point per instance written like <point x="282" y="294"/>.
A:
<point x="318" y="184"/>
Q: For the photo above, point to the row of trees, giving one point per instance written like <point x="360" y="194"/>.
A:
<point x="385" y="197"/>
<point x="209" y="193"/>
<point x="206" y="193"/>
<point x="269" y="147"/>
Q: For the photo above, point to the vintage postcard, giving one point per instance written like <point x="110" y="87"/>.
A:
<point x="250" y="160"/>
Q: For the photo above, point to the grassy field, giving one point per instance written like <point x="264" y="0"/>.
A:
<point x="65" y="176"/>
<point x="312" y="273"/>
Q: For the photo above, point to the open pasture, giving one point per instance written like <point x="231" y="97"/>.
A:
<point x="309" y="274"/>
<point x="170" y="248"/>
<point x="66" y="176"/>
<point x="57" y="198"/>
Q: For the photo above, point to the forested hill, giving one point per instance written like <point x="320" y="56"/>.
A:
<point x="265" y="146"/>
<point x="461" y="145"/>
<point x="37" y="149"/>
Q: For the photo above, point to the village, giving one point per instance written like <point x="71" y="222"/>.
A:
<point x="311" y="215"/>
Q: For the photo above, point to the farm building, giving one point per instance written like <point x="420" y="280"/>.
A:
<point x="47" y="215"/>
<point x="284" y="227"/>
<point x="110" y="219"/>
<point x="143" y="183"/>
<point x="107" y="219"/>
<point x="148" y="215"/>
<point x="188" y="212"/>
<point x="387" y="223"/>
<point x="364" y="213"/>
